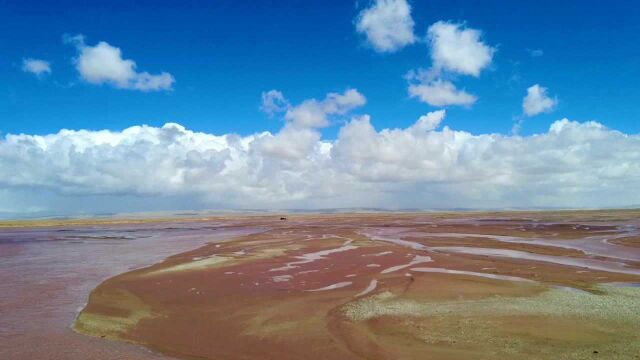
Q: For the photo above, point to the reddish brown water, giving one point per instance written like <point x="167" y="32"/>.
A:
<point x="283" y="276"/>
<point x="46" y="275"/>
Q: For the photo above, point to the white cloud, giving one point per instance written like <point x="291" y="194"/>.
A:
<point x="537" y="101"/>
<point x="535" y="52"/>
<point x="441" y="93"/>
<point x="572" y="165"/>
<point x="314" y="113"/>
<point x="429" y="122"/>
<point x="290" y="144"/>
<point x="455" y="50"/>
<point x="36" y="66"/>
<point x="387" y="25"/>
<point x="273" y="101"/>
<point x="104" y="64"/>
<point x="458" y="49"/>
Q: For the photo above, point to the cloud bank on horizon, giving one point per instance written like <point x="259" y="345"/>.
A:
<point x="425" y="165"/>
<point x="422" y="166"/>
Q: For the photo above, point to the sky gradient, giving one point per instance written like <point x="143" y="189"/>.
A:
<point x="504" y="72"/>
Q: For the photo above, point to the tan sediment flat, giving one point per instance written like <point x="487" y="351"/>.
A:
<point x="199" y="264"/>
<point x="631" y="241"/>
<point x="251" y="297"/>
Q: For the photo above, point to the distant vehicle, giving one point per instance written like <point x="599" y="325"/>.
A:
<point x="283" y="218"/>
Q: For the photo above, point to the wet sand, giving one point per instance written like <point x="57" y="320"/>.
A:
<point x="544" y="285"/>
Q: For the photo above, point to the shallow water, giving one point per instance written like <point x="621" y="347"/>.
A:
<point x="593" y="264"/>
<point x="418" y="259"/>
<point x="333" y="286"/>
<point x="372" y="286"/>
<point x="47" y="274"/>
<point x="614" y="255"/>
<point x="471" y="273"/>
<point x="311" y="257"/>
<point x="592" y="245"/>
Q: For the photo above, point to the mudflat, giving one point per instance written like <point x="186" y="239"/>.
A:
<point x="505" y="285"/>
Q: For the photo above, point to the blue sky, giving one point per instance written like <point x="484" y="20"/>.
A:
<point x="383" y="103"/>
<point x="223" y="54"/>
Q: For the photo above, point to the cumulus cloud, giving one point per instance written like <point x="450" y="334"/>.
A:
<point x="104" y="64"/>
<point x="314" y="113"/>
<point x="291" y="146"/>
<point x="387" y="24"/>
<point x="441" y="93"/>
<point x="458" y="49"/>
<point x="273" y="101"/>
<point x="429" y="122"/>
<point x="537" y="101"/>
<point x="36" y="66"/>
<point x="573" y="164"/>
<point x="455" y="50"/>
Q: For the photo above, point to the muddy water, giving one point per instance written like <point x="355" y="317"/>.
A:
<point x="47" y="274"/>
<point x="592" y="264"/>
<point x="298" y="275"/>
<point x="600" y="245"/>
<point x="614" y="257"/>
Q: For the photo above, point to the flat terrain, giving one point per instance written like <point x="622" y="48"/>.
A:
<point x="512" y="285"/>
